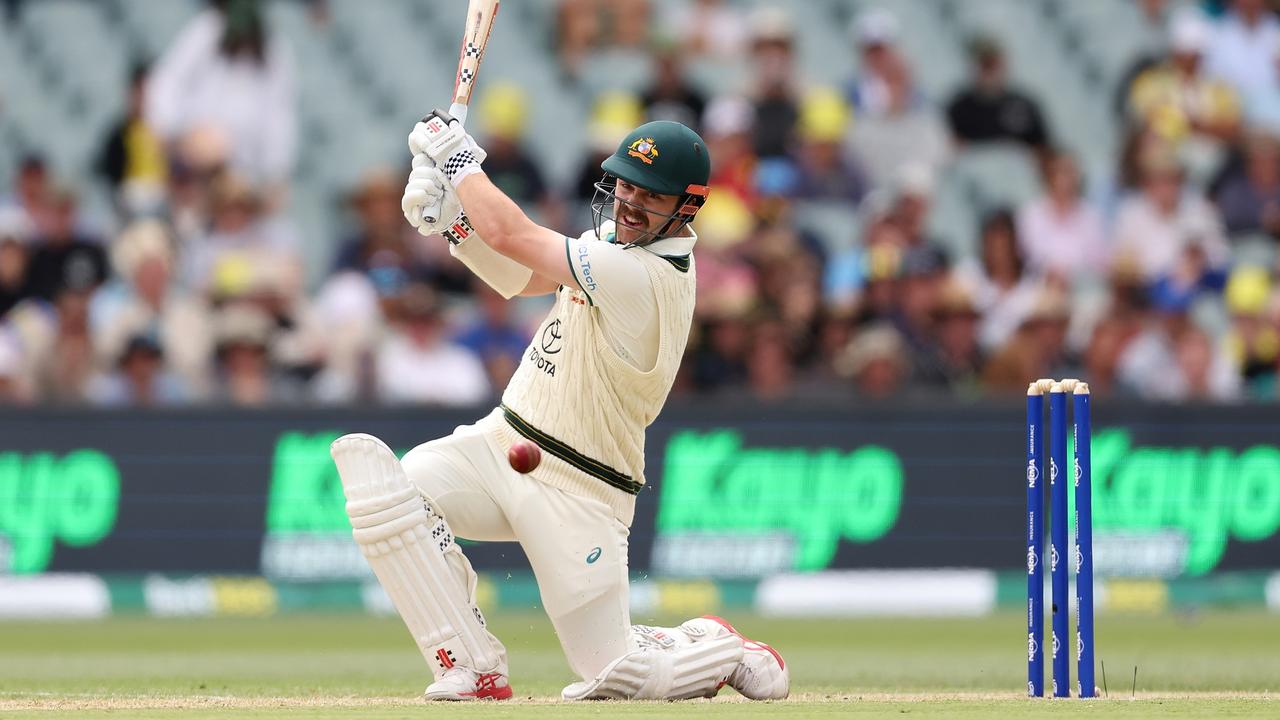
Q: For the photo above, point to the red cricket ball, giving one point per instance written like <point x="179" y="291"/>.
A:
<point x="524" y="456"/>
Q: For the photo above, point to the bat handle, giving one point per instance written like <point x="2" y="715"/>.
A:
<point x="432" y="213"/>
<point x="459" y="112"/>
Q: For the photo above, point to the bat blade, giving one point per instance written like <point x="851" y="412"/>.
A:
<point x="481" y="15"/>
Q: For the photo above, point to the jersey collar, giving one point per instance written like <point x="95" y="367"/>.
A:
<point x="678" y="246"/>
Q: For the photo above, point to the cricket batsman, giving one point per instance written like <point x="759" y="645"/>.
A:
<point x="595" y="375"/>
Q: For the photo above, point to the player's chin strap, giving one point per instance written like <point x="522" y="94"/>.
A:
<point x="660" y="670"/>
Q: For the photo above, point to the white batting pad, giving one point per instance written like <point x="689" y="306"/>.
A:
<point x="412" y="552"/>
<point x="676" y="672"/>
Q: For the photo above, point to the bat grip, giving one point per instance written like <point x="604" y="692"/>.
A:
<point x="459" y="112"/>
<point x="432" y="212"/>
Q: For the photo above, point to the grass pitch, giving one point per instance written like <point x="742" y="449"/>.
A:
<point x="348" y="666"/>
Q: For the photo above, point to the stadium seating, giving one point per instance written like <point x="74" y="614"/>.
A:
<point x="366" y="76"/>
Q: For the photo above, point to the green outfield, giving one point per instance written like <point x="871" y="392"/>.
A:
<point x="329" y="666"/>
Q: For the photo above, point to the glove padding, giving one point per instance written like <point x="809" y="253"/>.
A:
<point x="443" y="140"/>
<point x="427" y="186"/>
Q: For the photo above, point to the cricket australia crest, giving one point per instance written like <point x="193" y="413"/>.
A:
<point x="644" y="149"/>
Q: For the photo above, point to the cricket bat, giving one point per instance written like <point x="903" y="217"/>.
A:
<point x="475" y="37"/>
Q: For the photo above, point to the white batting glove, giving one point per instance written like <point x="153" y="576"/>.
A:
<point x="428" y="187"/>
<point x="447" y="144"/>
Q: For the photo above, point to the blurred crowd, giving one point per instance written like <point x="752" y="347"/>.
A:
<point x="818" y="275"/>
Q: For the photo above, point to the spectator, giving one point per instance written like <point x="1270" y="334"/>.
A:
<point x="957" y="357"/>
<point x="387" y="250"/>
<point x="1155" y="226"/>
<point x="64" y="365"/>
<point x="228" y="71"/>
<point x="1182" y="105"/>
<point x="728" y="291"/>
<point x="770" y="372"/>
<point x="139" y="380"/>
<point x="788" y="268"/>
<point x="774" y="93"/>
<point x="13" y="389"/>
<point x="825" y="171"/>
<point x="15" y="235"/>
<point x="32" y="192"/>
<point x="246" y="376"/>
<point x="670" y="96"/>
<point x="241" y="240"/>
<point x="1037" y="349"/>
<point x="494" y="336"/>
<point x="1206" y="372"/>
<point x="909" y="209"/>
<point x="1060" y="232"/>
<point x="1253" y="340"/>
<point x="1004" y="293"/>
<point x="1110" y="336"/>
<point x="866" y="275"/>
<point x="63" y="256"/>
<point x="860" y="279"/>
<point x="988" y="110"/>
<point x="728" y="122"/>
<point x="1250" y="198"/>
<point x="196" y="168"/>
<point x="835" y="330"/>
<point x="298" y="340"/>
<point x="875" y="34"/>
<point x="907" y="132"/>
<point x="132" y="158"/>
<point x="1171" y="360"/>
<point x="584" y="25"/>
<point x="916" y="296"/>
<point x="1150" y="47"/>
<point x="719" y="358"/>
<point x="145" y="302"/>
<point x="713" y="28"/>
<point x="729" y="285"/>
<point x="1244" y="47"/>
<point x="876" y="362"/>
<point x="504" y="110"/>
<point x="349" y="309"/>
<point x="417" y="364"/>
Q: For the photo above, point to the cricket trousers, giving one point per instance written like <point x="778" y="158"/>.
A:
<point x="577" y="548"/>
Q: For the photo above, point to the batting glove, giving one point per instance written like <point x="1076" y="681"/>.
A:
<point x="447" y="144"/>
<point x="428" y="187"/>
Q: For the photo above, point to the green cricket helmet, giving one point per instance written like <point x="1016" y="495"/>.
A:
<point x="664" y="157"/>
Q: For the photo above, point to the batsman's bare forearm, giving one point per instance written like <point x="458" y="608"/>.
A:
<point x="510" y="232"/>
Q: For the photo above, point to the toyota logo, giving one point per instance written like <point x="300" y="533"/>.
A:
<point x="551" y="340"/>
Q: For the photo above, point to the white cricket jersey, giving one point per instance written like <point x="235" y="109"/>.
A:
<point x="600" y="366"/>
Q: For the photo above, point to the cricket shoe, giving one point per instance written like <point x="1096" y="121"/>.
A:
<point x="459" y="683"/>
<point x="761" y="675"/>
